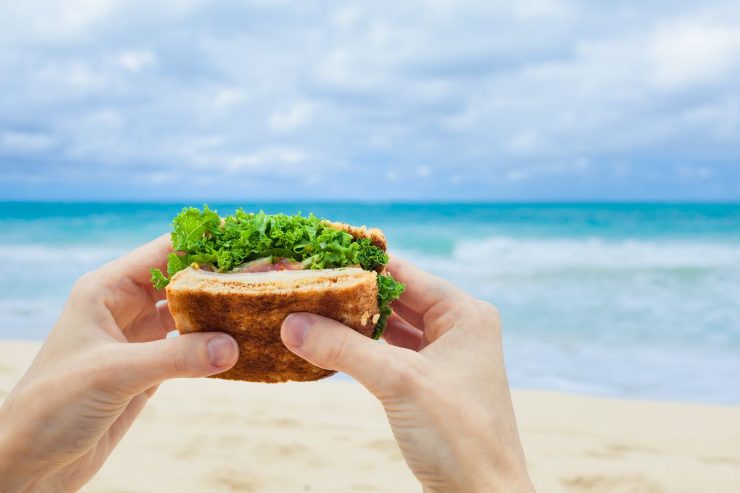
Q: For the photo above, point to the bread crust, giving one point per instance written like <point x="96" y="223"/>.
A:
<point x="375" y="235"/>
<point x="253" y="315"/>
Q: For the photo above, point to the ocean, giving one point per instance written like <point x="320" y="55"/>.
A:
<point x="625" y="300"/>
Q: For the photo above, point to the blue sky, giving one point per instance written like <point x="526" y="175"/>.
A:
<point x="384" y="100"/>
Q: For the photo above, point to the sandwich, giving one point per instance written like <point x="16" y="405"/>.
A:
<point x="243" y="274"/>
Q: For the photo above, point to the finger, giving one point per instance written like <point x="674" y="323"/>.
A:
<point x="147" y="326"/>
<point x="423" y="290"/>
<point x="151" y="390"/>
<point x="329" y="344"/>
<point x="166" y="317"/>
<point x="154" y="322"/>
<point x="140" y="366"/>
<point x="409" y="315"/>
<point x="402" y="334"/>
<point x="136" y="265"/>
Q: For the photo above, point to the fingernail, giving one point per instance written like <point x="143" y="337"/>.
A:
<point x="221" y="350"/>
<point x="296" y="327"/>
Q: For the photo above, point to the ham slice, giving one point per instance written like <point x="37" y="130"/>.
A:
<point x="287" y="264"/>
<point x="268" y="264"/>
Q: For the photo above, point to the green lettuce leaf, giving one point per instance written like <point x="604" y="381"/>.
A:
<point x="388" y="290"/>
<point x="201" y="236"/>
<point x="158" y="279"/>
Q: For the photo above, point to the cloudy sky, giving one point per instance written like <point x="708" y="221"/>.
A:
<point x="383" y="100"/>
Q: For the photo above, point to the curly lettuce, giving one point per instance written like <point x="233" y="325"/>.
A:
<point x="388" y="290"/>
<point x="203" y="237"/>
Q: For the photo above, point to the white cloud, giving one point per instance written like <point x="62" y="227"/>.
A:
<point x="292" y="117"/>
<point x="346" y="17"/>
<point x="160" y="177"/>
<point x="694" y="172"/>
<point x="536" y="9"/>
<point x="43" y="20"/>
<point x="25" y="142"/>
<point x="105" y="119"/>
<point x="524" y="142"/>
<point x="227" y="97"/>
<point x="688" y="53"/>
<point x="76" y="75"/>
<point x="423" y="171"/>
<point x="498" y="94"/>
<point x="517" y="175"/>
<point x="134" y="61"/>
<point x="273" y="159"/>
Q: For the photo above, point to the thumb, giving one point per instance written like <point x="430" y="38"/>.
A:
<point x="146" y="364"/>
<point x="334" y="346"/>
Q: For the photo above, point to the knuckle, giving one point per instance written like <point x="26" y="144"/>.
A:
<point x="490" y="318"/>
<point x="83" y="284"/>
<point x="408" y="373"/>
<point x="490" y="311"/>
<point x="87" y="287"/>
<point x="446" y="315"/>
<point x="335" y="354"/>
<point x="100" y="365"/>
<point x="175" y="362"/>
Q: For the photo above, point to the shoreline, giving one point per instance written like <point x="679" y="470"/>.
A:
<point x="216" y="435"/>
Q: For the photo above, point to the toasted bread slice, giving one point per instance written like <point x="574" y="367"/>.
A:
<point x="252" y="306"/>
<point x="375" y="235"/>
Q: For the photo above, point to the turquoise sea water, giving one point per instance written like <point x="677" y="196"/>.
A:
<point x="637" y="300"/>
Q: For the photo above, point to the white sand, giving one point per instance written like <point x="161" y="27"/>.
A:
<point x="213" y="435"/>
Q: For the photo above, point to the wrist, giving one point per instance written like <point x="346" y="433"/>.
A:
<point x="12" y="477"/>
<point x="14" y="473"/>
<point x="484" y="479"/>
<point x="486" y="484"/>
<point x="512" y="480"/>
<point x="495" y="485"/>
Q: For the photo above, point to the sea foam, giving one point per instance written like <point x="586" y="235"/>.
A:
<point x="636" y="317"/>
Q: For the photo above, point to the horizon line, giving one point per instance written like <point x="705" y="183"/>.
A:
<point x="200" y="202"/>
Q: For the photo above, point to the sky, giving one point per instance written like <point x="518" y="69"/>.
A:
<point x="386" y="100"/>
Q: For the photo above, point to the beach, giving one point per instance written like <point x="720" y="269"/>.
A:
<point x="332" y="436"/>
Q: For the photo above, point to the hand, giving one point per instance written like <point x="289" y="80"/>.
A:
<point x="102" y="361"/>
<point x="441" y="380"/>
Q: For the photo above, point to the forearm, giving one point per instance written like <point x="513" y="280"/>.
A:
<point x="18" y="471"/>
<point x="12" y="484"/>
<point x="481" y="459"/>
<point x="14" y="477"/>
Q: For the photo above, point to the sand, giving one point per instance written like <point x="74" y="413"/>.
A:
<point x="213" y="435"/>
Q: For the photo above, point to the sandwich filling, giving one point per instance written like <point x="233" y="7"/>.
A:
<point x="257" y="242"/>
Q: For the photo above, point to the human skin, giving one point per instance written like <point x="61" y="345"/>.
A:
<point x="441" y="380"/>
<point x="96" y="371"/>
